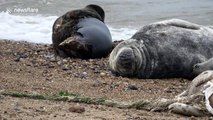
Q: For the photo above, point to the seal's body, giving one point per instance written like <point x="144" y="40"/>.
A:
<point x="163" y="50"/>
<point x="82" y="34"/>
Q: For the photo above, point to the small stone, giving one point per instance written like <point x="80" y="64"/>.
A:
<point x="77" y="109"/>
<point x="59" y="62"/>
<point x="65" y="60"/>
<point x="103" y="74"/>
<point x="18" y="70"/>
<point x="168" y="90"/>
<point x="51" y="65"/>
<point x="132" y="87"/>
<point x="17" y="59"/>
<point x="114" y="86"/>
<point x="65" y="67"/>
<point x="84" y="73"/>
<point x="53" y="59"/>
<point x="125" y="83"/>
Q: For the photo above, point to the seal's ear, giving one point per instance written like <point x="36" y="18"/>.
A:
<point x="97" y="9"/>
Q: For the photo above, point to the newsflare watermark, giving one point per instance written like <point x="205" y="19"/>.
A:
<point x="22" y="10"/>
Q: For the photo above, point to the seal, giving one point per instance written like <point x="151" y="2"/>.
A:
<point x="197" y="99"/>
<point x="165" y="49"/>
<point x="82" y="33"/>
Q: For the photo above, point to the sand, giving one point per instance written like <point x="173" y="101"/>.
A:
<point x="28" y="68"/>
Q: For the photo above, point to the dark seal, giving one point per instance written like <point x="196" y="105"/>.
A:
<point x="165" y="49"/>
<point x="82" y="34"/>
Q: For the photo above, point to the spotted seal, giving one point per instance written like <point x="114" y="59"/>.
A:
<point x="164" y="49"/>
<point x="82" y="33"/>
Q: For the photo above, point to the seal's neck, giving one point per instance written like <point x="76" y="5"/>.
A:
<point x="146" y="67"/>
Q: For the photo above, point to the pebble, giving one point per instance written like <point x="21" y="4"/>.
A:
<point x="59" y="62"/>
<point x="103" y="74"/>
<point x="132" y="87"/>
<point x="17" y="59"/>
<point x="65" y="67"/>
<point x="168" y="90"/>
<point x="20" y="58"/>
<point x="77" y="109"/>
<point x="65" y="60"/>
<point x="51" y="65"/>
<point x="84" y="73"/>
<point x="114" y="85"/>
<point x="53" y="59"/>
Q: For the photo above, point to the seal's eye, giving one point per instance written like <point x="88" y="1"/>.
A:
<point x="74" y="27"/>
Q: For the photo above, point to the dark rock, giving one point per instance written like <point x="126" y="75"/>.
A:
<point x="132" y="87"/>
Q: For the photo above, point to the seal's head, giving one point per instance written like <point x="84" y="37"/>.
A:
<point x="96" y="9"/>
<point x="126" y="58"/>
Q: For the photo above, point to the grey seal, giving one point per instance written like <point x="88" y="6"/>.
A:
<point x="82" y="33"/>
<point x="165" y="49"/>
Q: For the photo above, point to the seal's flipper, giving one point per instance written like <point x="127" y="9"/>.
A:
<point x="76" y="47"/>
<point x="184" y="109"/>
<point x="180" y="23"/>
<point x="203" y="66"/>
<point x="203" y="78"/>
<point x="197" y="83"/>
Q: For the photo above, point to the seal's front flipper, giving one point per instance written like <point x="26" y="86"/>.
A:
<point x="75" y="47"/>
<point x="184" y="109"/>
<point x="203" y="66"/>
<point x="180" y="23"/>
